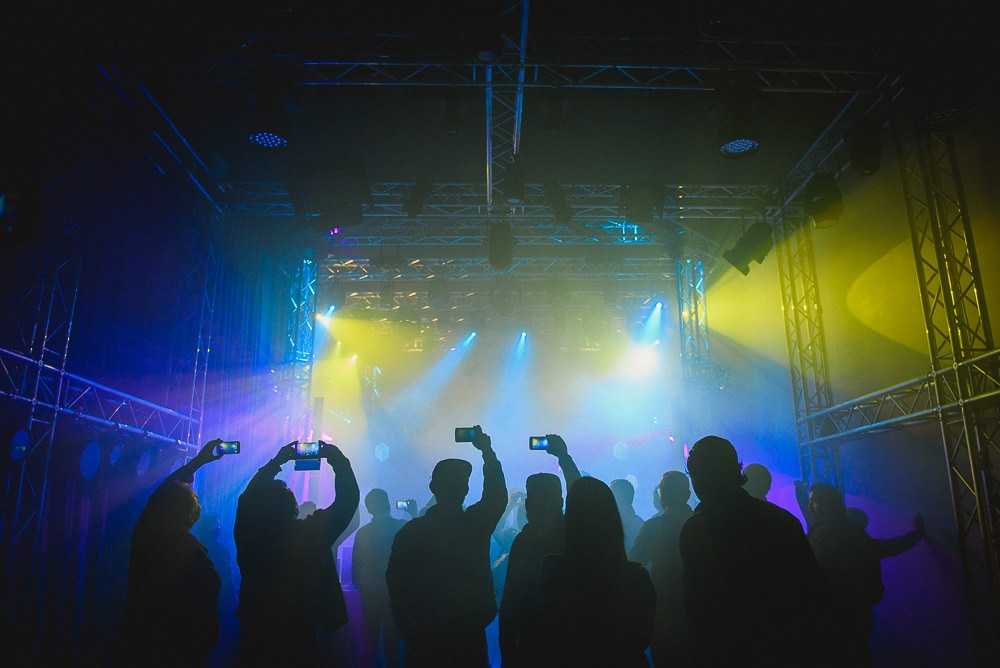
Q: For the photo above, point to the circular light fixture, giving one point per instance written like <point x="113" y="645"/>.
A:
<point x="267" y="139"/>
<point x="739" y="147"/>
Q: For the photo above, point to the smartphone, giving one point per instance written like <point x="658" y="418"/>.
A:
<point x="465" y="434"/>
<point x="228" y="448"/>
<point x="538" y="442"/>
<point x="403" y="504"/>
<point x="307" y="450"/>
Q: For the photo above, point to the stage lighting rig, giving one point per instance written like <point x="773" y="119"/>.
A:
<point x="754" y="244"/>
<point x="418" y="197"/>
<point x="513" y="182"/>
<point x="500" y="245"/>
<point x="822" y="200"/>
<point x="737" y="125"/>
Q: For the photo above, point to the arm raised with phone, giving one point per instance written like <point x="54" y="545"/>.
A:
<point x="493" y="502"/>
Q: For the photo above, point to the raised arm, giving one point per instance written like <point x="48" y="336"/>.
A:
<point x="558" y="449"/>
<point x="186" y="472"/>
<point x="494" y="500"/>
<point x="335" y="519"/>
<point x="269" y="470"/>
<point x="893" y="547"/>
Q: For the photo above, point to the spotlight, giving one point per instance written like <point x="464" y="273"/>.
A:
<point x="822" y="200"/>
<point x="754" y="245"/>
<point x="500" y="241"/>
<point x="737" y="132"/>
<point x="267" y="139"/>
<point x="354" y="358"/>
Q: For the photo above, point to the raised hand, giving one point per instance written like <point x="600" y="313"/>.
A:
<point x="286" y="453"/>
<point x="482" y="440"/>
<point x="557" y="446"/>
<point x="332" y="454"/>
<point x="208" y="452"/>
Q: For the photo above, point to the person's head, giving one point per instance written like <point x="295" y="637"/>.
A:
<point x="826" y="502"/>
<point x="174" y="507"/>
<point x="623" y="492"/>
<point x="858" y="518"/>
<point x="544" y="500"/>
<point x="377" y="502"/>
<point x="675" y="490"/>
<point x="593" y="525"/>
<point x="758" y="482"/>
<point x="274" y="505"/>
<point x="450" y="481"/>
<point x="306" y="508"/>
<point x="714" y="468"/>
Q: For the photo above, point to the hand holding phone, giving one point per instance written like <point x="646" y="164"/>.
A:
<point x="306" y="455"/>
<point x="467" y="434"/>
<point x="538" y="443"/>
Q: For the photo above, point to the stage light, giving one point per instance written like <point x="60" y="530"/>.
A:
<point x="754" y="245"/>
<point x="267" y="139"/>
<point x="19" y="445"/>
<point x="737" y="132"/>
<point x="381" y="452"/>
<point x="354" y="358"/>
<point x="469" y="339"/>
<point x="822" y="200"/>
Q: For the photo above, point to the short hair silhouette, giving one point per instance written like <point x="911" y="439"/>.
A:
<point x="174" y="507"/>
<point x="377" y="502"/>
<point x="450" y="480"/>
<point x="714" y="467"/>
<point x="675" y="489"/>
<point x="594" y="530"/>
<point x="544" y="496"/>
<point x="623" y="491"/>
<point x="758" y="482"/>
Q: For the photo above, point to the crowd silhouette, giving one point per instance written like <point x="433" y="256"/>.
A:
<point x="734" y="582"/>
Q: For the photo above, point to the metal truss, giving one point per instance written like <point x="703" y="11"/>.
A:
<point x="806" y="342"/>
<point x="300" y="338"/>
<point x="203" y="349"/>
<point x="692" y="316"/>
<point x="779" y="67"/>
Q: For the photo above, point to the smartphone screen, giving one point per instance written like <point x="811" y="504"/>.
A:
<point x="538" y="443"/>
<point x="228" y="448"/>
<point x="402" y="504"/>
<point x="307" y="449"/>
<point x="465" y="434"/>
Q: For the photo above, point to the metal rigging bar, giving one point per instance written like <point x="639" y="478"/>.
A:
<point x="300" y="340"/>
<point x="692" y="316"/>
<point x="958" y="330"/>
<point x="806" y="341"/>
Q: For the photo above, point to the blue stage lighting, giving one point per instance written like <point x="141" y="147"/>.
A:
<point x="468" y="339"/>
<point x="738" y="147"/>
<point x="267" y="139"/>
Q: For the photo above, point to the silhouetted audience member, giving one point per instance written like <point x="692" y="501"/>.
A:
<point x="372" y="546"/>
<point x="631" y="522"/>
<point x="171" y="616"/>
<point x="658" y="545"/>
<point x="754" y="593"/>
<point x="439" y="579"/>
<point x="544" y="534"/>
<point x="290" y="598"/>
<point x="850" y="558"/>
<point x="758" y="482"/>
<point x="597" y="607"/>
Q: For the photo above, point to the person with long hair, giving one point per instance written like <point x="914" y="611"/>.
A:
<point x="598" y="607"/>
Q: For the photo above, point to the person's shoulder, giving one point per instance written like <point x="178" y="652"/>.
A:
<point x="636" y="572"/>
<point x="777" y="515"/>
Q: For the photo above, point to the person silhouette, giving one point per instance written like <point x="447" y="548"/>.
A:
<point x="851" y="560"/>
<point x="372" y="545"/>
<point x="754" y="594"/>
<point x="658" y="546"/>
<point x="439" y="579"/>
<point x="544" y="534"/>
<point x="290" y="598"/>
<point x="758" y="482"/>
<point x="306" y="508"/>
<point x="624" y="494"/>
<point x="597" y="607"/>
<point x="172" y="594"/>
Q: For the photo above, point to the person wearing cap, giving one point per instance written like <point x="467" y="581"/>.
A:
<point x="439" y="579"/>
<point x="753" y="591"/>
<point x="544" y="534"/>
<point x="658" y="547"/>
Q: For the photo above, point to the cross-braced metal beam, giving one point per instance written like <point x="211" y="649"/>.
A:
<point x="692" y="316"/>
<point x="299" y="345"/>
<point x="806" y="341"/>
